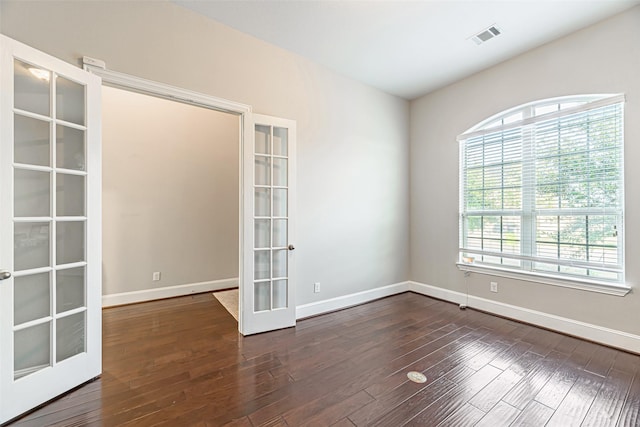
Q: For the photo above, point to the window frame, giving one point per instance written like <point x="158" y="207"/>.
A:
<point x="523" y="117"/>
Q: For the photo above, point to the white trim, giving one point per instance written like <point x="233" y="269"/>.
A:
<point x="138" y="84"/>
<point x="439" y="293"/>
<point x="588" y="331"/>
<point x="547" y="279"/>
<point x="167" y="292"/>
<point x="346" y="301"/>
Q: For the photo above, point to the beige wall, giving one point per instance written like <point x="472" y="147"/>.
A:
<point x="353" y="162"/>
<point x="353" y="151"/>
<point x="604" y="58"/>
<point x="170" y="192"/>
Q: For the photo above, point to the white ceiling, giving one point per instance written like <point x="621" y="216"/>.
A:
<point x="406" y="48"/>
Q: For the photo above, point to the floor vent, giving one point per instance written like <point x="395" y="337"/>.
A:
<point x="486" y="35"/>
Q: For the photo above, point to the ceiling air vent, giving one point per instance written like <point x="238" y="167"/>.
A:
<point x="486" y="35"/>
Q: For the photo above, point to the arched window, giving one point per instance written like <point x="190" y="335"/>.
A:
<point x="542" y="190"/>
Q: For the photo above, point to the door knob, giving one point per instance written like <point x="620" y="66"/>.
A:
<point x="4" y="274"/>
<point x="291" y="247"/>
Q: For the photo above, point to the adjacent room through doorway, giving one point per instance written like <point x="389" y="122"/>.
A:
<point x="170" y="195"/>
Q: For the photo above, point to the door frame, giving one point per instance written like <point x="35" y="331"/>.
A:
<point x="172" y="93"/>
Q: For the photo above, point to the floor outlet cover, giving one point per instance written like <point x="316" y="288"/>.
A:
<point x="417" y="377"/>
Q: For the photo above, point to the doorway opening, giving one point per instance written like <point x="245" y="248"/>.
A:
<point x="267" y="189"/>
<point x="170" y="197"/>
<point x="245" y="137"/>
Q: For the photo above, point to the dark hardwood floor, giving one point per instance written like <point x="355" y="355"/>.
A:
<point x="181" y="362"/>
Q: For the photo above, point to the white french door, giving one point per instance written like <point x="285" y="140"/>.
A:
<point x="268" y="280"/>
<point x="50" y="241"/>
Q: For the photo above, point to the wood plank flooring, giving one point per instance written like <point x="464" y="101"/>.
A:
<point x="181" y="362"/>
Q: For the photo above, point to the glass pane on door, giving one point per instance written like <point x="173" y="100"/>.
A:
<point x="280" y="233"/>
<point x="31" y="144"/>
<point x="70" y="332"/>
<point x="31" y="244"/>
<point x="69" y="101"/>
<point x="280" y="172"/>
<point x="262" y="265"/>
<point x="32" y="193"/>
<point x="280" y="141"/>
<point x="279" y="293"/>
<point x="280" y="263"/>
<point x="70" y="289"/>
<point x="262" y="234"/>
<point x="31" y="86"/>
<point x="31" y="349"/>
<point x="262" y="300"/>
<point x="70" y="195"/>
<point x="263" y="139"/>
<point x="280" y="202"/>
<point x="263" y="170"/>
<point x="70" y="242"/>
<point x="70" y="148"/>
<point x="31" y="298"/>
<point x="263" y="202"/>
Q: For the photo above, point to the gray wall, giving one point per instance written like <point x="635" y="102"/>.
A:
<point x="353" y="162"/>
<point x="170" y="192"/>
<point x="603" y="58"/>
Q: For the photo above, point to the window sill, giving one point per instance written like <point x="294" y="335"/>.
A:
<point x="547" y="279"/>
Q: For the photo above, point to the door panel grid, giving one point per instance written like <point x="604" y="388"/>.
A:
<point x="48" y="202"/>
<point x="270" y="218"/>
<point x="49" y="228"/>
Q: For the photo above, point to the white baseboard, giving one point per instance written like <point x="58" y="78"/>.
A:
<point x="338" y="303"/>
<point x="167" y="292"/>
<point x="600" y="334"/>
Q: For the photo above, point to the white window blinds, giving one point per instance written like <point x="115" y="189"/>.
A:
<point x="542" y="190"/>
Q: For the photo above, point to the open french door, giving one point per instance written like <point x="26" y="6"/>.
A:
<point x="268" y="279"/>
<point x="50" y="231"/>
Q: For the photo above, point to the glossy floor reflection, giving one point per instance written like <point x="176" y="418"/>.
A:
<point x="181" y="362"/>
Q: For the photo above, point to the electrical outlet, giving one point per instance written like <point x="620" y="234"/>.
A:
<point x="494" y="286"/>
<point x="316" y="287"/>
<point x="156" y="276"/>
